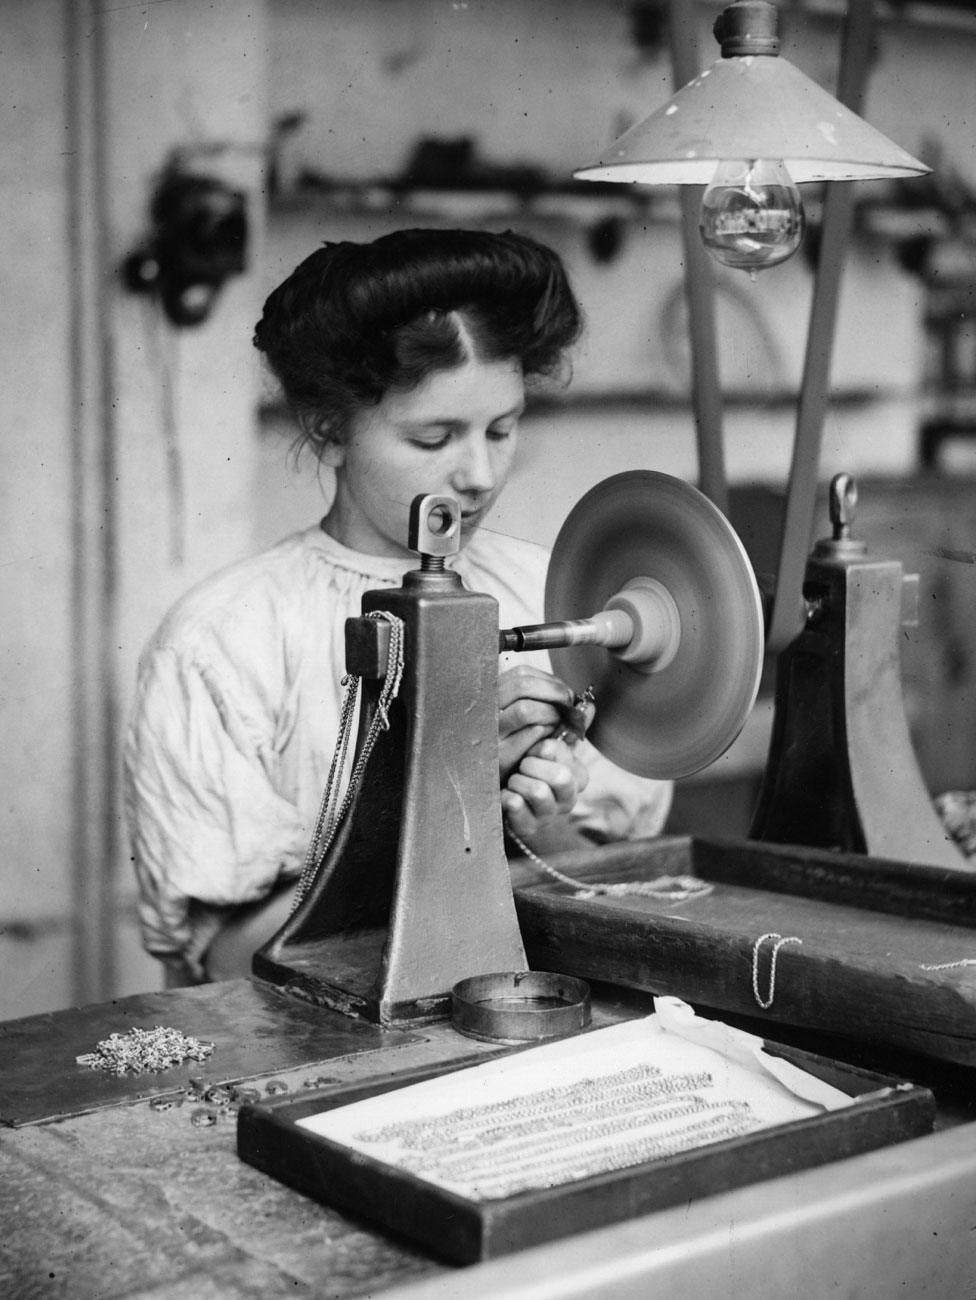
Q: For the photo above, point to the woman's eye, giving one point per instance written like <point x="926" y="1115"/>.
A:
<point x="502" y="431"/>
<point x="433" y="443"/>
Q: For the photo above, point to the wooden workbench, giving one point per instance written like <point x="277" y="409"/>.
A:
<point x="136" y="1202"/>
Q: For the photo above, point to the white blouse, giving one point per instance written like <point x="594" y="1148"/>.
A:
<point x="236" y="718"/>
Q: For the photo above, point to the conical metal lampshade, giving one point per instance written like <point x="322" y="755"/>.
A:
<point x="756" y="106"/>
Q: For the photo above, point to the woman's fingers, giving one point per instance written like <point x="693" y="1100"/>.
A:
<point x="513" y="748"/>
<point x="545" y="785"/>
<point x="527" y="696"/>
<point x="531" y="705"/>
<point x="549" y="761"/>
<point x="518" y="817"/>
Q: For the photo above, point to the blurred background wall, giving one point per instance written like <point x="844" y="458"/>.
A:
<point x="137" y="454"/>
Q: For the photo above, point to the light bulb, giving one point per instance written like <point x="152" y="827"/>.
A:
<point x="751" y="215"/>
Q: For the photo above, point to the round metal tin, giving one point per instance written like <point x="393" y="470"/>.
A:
<point x="520" y="1006"/>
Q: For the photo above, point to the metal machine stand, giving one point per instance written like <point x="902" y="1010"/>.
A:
<point x="842" y="773"/>
<point x="413" y="894"/>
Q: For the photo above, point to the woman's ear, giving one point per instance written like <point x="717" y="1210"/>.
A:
<point x="319" y="434"/>
<point x="333" y="454"/>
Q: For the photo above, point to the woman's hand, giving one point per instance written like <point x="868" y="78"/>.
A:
<point x="545" y="784"/>
<point x="540" y="775"/>
<point x="531" y="706"/>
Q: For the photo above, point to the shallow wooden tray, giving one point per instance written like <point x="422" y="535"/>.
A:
<point x="465" y="1231"/>
<point x="886" y="952"/>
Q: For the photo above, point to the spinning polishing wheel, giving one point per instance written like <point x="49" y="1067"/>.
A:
<point x="680" y="613"/>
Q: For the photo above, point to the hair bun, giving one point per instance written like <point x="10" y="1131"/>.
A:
<point x="335" y="331"/>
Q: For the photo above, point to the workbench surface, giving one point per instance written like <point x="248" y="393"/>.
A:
<point x="137" y="1202"/>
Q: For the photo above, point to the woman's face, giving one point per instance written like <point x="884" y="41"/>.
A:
<point x="455" y="433"/>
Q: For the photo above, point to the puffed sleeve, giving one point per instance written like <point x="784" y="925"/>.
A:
<point x="206" y="824"/>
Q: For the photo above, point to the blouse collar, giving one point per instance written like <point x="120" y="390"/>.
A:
<point x="389" y="568"/>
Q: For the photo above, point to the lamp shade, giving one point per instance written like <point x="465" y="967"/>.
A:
<point x="750" y="107"/>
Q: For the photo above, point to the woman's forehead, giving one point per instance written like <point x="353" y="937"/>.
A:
<point x="476" y="389"/>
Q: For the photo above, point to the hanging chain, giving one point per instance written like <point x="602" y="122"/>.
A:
<point x="331" y="811"/>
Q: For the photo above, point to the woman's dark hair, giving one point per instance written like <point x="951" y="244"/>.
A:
<point x="354" y="321"/>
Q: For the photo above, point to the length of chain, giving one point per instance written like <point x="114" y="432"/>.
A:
<point x="577" y="1166"/>
<point x="500" y="1158"/>
<point x="767" y="1001"/>
<point x="331" y="812"/>
<point x="557" y="1106"/>
<point x="671" y="889"/>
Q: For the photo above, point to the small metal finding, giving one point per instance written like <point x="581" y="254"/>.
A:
<point x="576" y="717"/>
<point x="244" y="1096"/>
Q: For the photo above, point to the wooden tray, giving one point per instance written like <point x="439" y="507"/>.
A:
<point x="465" y="1231"/>
<point x="887" y="951"/>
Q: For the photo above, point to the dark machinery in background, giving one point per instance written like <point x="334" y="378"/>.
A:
<point x="198" y="241"/>
<point x="842" y="773"/>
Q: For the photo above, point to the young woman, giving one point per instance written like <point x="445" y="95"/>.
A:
<point x="406" y="363"/>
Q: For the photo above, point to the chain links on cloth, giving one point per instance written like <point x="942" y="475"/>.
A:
<point x="331" y="811"/>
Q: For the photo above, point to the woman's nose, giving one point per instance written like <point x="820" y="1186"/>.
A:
<point x="475" y="470"/>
